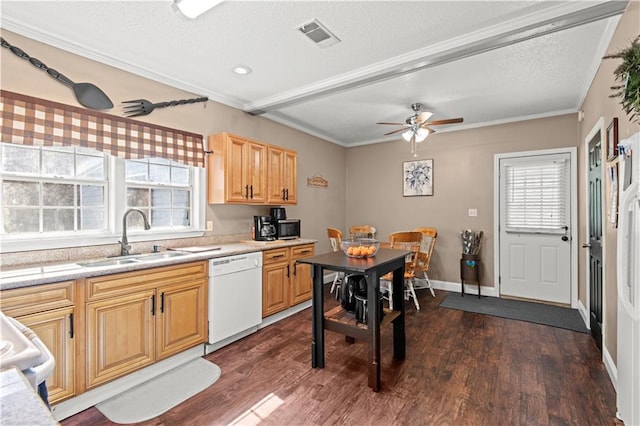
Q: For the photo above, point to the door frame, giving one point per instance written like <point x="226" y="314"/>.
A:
<point x="598" y="127"/>
<point x="573" y="188"/>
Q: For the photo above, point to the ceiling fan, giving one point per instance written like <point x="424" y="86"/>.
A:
<point x="416" y="128"/>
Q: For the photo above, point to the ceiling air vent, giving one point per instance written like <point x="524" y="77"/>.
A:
<point x="318" y="33"/>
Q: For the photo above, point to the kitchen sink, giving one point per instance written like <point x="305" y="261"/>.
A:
<point x="109" y="262"/>
<point x="139" y="258"/>
<point x="160" y="256"/>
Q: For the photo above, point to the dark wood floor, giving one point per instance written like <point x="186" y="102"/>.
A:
<point x="461" y="369"/>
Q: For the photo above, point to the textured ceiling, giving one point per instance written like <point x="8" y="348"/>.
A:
<point x="487" y="61"/>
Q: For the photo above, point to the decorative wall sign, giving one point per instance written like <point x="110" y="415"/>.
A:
<point x="417" y="178"/>
<point x="317" y="181"/>
<point x="612" y="139"/>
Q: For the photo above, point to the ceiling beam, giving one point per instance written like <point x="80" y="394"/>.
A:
<point x="565" y="16"/>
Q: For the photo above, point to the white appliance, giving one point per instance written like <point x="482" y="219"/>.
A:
<point x="628" y="272"/>
<point x="235" y="295"/>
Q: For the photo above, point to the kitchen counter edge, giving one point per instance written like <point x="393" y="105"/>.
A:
<point x="74" y="271"/>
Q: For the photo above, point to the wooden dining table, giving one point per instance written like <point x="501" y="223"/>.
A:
<point x="340" y="321"/>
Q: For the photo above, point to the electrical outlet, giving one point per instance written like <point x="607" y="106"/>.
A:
<point x="473" y="212"/>
<point x="209" y="225"/>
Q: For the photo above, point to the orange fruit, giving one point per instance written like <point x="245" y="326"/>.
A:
<point x="356" y="251"/>
<point x="350" y="250"/>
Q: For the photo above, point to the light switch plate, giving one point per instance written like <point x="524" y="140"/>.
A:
<point x="209" y="225"/>
<point x="473" y="212"/>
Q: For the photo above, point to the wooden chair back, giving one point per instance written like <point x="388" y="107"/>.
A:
<point x="407" y="240"/>
<point x="335" y="238"/>
<point x="362" y="231"/>
<point x="429" y="236"/>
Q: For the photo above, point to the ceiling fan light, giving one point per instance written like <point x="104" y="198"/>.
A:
<point x="407" y="135"/>
<point x="421" y="134"/>
<point x="194" y="8"/>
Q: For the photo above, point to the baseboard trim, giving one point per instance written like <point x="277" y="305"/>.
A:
<point x="610" y="366"/>
<point x="582" y="310"/>
<point x="95" y="396"/>
<point x="468" y="288"/>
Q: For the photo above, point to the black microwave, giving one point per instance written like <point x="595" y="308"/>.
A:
<point x="288" y="229"/>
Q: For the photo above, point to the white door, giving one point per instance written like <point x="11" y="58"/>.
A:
<point x="535" y="225"/>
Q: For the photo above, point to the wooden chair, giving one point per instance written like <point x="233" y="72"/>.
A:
<point x="409" y="240"/>
<point x="335" y="239"/>
<point x="362" y="231"/>
<point x="429" y="236"/>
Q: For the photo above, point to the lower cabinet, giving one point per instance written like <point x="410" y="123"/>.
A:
<point x="285" y="283"/>
<point x="49" y="311"/>
<point x="137" y="318"/>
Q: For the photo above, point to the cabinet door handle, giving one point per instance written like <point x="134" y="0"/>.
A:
<point x="278" y="256"/>
<point x="251" y="187"/>
<point x="246" y="191"/>
<point x="71" y="325"/>
<point x="286" y="192"/>
<point x="153" y="305"/>
<point x="283" y="194"/>
<point x="295" y="269"/>
<point x="162" y="303"/>
<point x="288" y="272"/>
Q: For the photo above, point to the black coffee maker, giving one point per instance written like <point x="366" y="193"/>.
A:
<point x="264" y="228"/>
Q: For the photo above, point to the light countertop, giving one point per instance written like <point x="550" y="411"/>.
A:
<point x="19" y="402"/>
<point x="48" y="273"/>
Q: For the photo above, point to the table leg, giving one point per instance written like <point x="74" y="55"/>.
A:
<point x="399" y="339"/>
<point x="373" y="326"/>
<point x="317" y="325"/>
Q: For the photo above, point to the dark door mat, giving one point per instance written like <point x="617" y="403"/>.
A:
<point x="539" y="313"/>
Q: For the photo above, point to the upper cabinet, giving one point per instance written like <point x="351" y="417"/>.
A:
<point x="282" y="173"/>
<point x="236" y="170"/>
<point x="243" y="171"/>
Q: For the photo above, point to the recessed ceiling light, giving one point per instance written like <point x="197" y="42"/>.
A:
<point x="242" y="70"/>
<point x="194" y="8"/>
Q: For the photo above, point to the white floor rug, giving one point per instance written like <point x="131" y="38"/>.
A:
<point x="152" y="398"/>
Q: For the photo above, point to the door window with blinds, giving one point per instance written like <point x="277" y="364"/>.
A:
<point x="536" y="195"/>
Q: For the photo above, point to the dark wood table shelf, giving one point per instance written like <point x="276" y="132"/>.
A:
<point x="340" y="321"/>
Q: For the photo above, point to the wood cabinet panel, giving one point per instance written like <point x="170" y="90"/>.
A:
<point x="301" y="283"/>
<point x="237" y="170"/>
<point x="137" y="318"/>
<point x="181" y="324"/>
<point x="55" y="329"/>
<point x="282" y="171"/>
<point x="285" y="283"/>
<point x="49" y="311"/>
<point x="245" y="171"/>
<point x="120" y="336"/>
<point x="27" y="300"/>
<point x="118" y="284"/>
<point x="275" y="288"/>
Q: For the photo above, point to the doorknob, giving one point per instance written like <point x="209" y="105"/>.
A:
<point x="586" y="246"/>
<point x="565" y="238"/>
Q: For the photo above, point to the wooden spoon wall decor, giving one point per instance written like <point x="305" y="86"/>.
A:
<point x="87" y="94"/>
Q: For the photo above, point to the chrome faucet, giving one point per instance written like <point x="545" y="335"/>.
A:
<point x="124" y="244"/>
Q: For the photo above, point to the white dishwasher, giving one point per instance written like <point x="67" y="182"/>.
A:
<point x="235" y="295"/>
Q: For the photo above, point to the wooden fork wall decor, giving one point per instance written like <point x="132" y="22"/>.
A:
<point x="138" y="107"/>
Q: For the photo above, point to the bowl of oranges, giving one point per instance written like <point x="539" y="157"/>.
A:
<point x="361" y="247"/>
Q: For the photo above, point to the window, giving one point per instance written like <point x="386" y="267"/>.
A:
<point x="536" y="198"/>
<point x="53" y="189"/>
<point x="160" y="188"/>
<point x="73" y="196"/>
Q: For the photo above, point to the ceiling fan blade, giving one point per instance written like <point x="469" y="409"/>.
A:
<point x="396" y="131"/>
<point x="424" y="116"/>
<point x="446" y="121"/>
<point x="393" y="124"/>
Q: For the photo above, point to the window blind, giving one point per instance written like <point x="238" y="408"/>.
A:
<point x="535" y="197"/>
